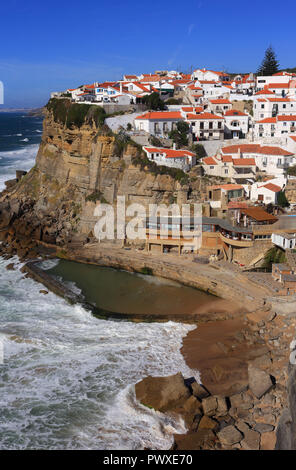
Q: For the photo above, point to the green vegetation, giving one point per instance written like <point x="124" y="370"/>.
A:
<point x="270" y="64"/>
<point x="282" y="199"/>
<point x="155" y="141"/>
<point x="153" y="101"/>
<point x="199" y="150"/>
<point x="147" y="271"/>
<point x="96" y="196"/>
<point x="144" y="163"/>
<point x="173" y="101"/>
<point x="274" y="255"/>
<point x="74" y="114"/>
<point x="179" y="135"/>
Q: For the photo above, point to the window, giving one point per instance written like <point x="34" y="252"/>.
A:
<point x="226" y="172"/>
<point x="211" y="167"/>
<point x="262" y="106"/>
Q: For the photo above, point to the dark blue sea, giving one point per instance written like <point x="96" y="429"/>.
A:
<point x="20" y="136"/>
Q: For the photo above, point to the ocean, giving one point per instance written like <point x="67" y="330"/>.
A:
<point x="67" y="378"/>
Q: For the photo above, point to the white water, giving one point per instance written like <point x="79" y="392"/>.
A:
<point x="21" y="159"/>
<point x="67" y="378"/>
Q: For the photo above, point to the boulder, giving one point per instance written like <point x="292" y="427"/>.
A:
<point x="208" y="423"/>
<point x="251" y="440"/>
<point x="199" y="391"/>
<point x="203" y="439"/>
<point x="229" y="436"/>
<point x="209" y="406"/>
<point x="263" y="427"/>
<point x="259" y="381"/>
<point x="222" y="407"/>
<point x="162" y="393"/>
<point x="268" y="441"/>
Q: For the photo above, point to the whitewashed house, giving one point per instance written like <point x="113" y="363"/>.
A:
<point x="206" y="126"/>
<point x="286" y="241"/>
<point x="220" y="105"/>
<point x="209" y="75"/>
<point x="182" y="159"/>
<point x="158" y="123"/>
<point x="238" y="170"/>
<point x="269" y="159"/>
<point x="236" y="124"/>
<point x="267" y="193"/>
<point x="277" y="126"/>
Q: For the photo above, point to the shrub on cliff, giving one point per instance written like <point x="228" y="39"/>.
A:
<point x="75" y="114"/>
<point x="144" y="163"/>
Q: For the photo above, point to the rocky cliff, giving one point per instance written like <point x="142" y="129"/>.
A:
<point x="79" y="163"/>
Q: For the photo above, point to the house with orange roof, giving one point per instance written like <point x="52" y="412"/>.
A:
<point x="236" y="124"/>
<point x="182" y="159"/>
<point x="206" y="126"/>
<point x="271" y="105"/>
<point x="209" y="75"/>
<point x="266" y="193"/>
<point x="220" y="105"/>
<point x="237" y="170"/>
<point x="265" y="81"/>
<point x="272" y="160"/>
<point x="158" y="123"/>
<point x="279" y="126"/>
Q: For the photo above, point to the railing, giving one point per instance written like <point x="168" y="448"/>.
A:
<point x="236" y="241"/>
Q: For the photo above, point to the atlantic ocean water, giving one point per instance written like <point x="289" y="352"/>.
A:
<point x="67" y="378"/>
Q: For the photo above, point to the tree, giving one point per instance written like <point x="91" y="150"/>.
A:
<point x="179" y="135"/>
<point x="270" y="64"/>
<point x="282" y="199"/>
<point x="199" y="150"/>
<point x="153" y="101"/>
<point x="292" y="170"/>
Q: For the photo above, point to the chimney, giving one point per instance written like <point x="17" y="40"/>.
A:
<point x="174" y="146"/>
<point x="120" y="87"/>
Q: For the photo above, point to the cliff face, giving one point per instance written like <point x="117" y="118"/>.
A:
<point x="75" y="167"/>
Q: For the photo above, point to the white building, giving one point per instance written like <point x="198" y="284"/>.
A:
<point x="286" y="241"/>
<point x="277" y="126"/>
<point x="269" y="159"/>
<point x="158" y="123"/>
<point x="271" y="106"/>
<point x="281" y="77"/>
<point x="182" y="159"/>
<point x="238" y="170"/>
<point x="220" y="105"/>
<point x="206" y="126"/>
<point x="236" y="124"/>
<point x="209" y="75"/>
<point x="267" y="193"/>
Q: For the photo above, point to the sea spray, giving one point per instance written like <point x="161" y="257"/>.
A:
<point x="67" y="378"/>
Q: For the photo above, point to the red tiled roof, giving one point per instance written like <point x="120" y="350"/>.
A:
<point x="237" y="205"/>
<point x="264" y="92"/>
<point x="255" y="148"/>
<point x="220" y="101"/>
<point x="170" y="153"/>
<point x="272" y="187"/>
<point x="161" y="115"/>
<point x="226" y="158"/>
<point x="270" y="120"/>
<point x="286" y="118"/>
<point x="203" y="116"/>
<point x="243" y="162"/>
<point x="258" y="214"/>
<point x="209" y="161"/>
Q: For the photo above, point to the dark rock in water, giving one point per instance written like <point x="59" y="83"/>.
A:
<point x="10" y="267"/>
<point x="162" y="393"/>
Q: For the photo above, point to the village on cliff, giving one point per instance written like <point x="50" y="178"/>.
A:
<point x="236" y="131"/>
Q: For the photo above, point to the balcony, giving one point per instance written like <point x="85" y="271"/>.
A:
<point x="235" y="240"/>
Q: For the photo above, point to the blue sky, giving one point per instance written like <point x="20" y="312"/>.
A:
<point x="48" y="46"/>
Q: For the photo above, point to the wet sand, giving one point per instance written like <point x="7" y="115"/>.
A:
<point x="220" y="351"/>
